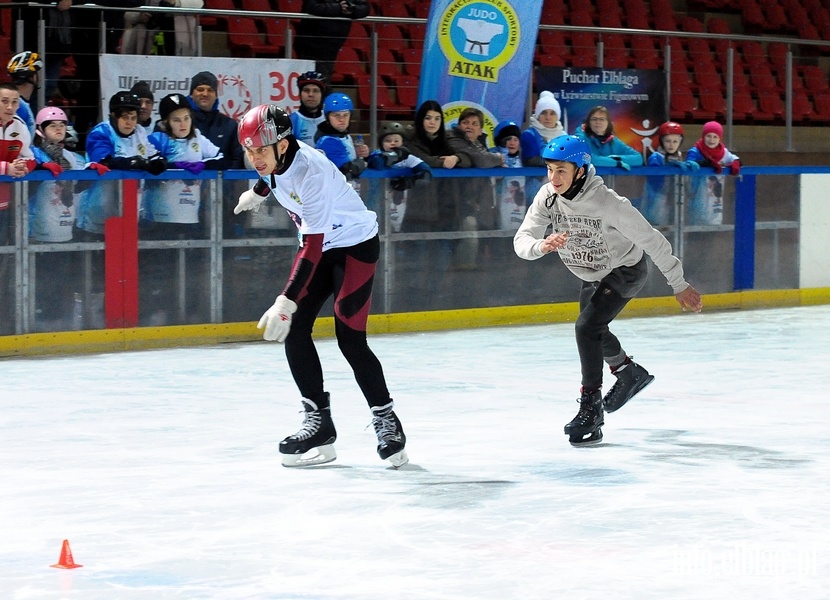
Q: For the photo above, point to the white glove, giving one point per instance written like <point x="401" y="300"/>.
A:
<point x="248" y="200"/>
<point x="277" y="320"/>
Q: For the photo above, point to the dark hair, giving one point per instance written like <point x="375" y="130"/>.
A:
<point x="6" y="85"/>
<point x="586" y="126"/>
<point x="472" y="112"/>
<point x="437" y="146"/>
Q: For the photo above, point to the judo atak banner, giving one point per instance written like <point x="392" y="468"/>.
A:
<point x="479" y="53"/>
<point x="242" y="83"/>
<point x="635" y="98"/>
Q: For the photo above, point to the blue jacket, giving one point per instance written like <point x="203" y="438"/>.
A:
<point x="602" y="152"/>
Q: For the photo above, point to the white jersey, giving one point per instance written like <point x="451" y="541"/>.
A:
<point x="50" y="220"/>
<point x="177" y="200"/>
<point x="305" y="127"/>
<point x="320" y="200"/>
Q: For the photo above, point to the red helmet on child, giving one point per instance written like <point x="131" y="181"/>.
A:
<point x="670" y="127"/>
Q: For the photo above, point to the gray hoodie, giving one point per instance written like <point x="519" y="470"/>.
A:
<point x="604" y="232"/>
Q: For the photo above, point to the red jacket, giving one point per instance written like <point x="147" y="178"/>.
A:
<point x="15" y="142"/>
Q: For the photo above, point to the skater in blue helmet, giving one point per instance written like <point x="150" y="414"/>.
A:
<point x="603" y="240"/>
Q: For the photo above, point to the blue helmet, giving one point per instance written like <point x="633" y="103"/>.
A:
<point x="506" y="129"/>
<point x="337" y="102"/>
<point x="569" y="148"/>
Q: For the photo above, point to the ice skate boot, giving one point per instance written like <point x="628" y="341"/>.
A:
<point x="391" y="438"/>
<point x="313" y="444"/>
<point x="585" y="429"/>
<point x="631" y="379"/>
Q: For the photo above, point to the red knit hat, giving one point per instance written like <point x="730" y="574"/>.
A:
<point x="712" y="127"/>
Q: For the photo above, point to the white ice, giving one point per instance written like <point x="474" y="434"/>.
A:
<point x="161" y="469"/>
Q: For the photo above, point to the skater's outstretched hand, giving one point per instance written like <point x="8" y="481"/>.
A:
<point x="277" y="320"/>
<point x="554" y="242"/>
<point x="689" y="299"/>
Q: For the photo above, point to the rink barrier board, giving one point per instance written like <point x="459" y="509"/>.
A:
<point x="145" y="338"/>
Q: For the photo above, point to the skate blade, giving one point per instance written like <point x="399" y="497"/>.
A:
<point x="398" y="459"/>
<point x="316" y="456"/>
<point x="592" y="440"/>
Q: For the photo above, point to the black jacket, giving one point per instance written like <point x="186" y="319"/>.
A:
<point x="320" y="39"/>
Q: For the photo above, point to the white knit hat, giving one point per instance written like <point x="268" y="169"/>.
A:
<point x="547" y="101"/>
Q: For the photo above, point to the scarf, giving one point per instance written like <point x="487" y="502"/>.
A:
<point x="713" y="155"/>
<point x="547" y="133"/>
<point x="55" y="152"/>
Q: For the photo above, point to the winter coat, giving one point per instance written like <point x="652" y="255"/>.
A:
<point x="321" y="39"/>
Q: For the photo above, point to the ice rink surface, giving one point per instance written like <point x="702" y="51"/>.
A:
<point x="161" y="469"/>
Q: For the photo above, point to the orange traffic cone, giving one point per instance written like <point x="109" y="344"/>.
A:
<point x="65" y="561"/>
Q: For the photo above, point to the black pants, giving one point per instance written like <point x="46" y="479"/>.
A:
<point x="348" y="274"/>
<point x="599" y="304"/>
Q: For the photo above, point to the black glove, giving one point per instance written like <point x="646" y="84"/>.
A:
<point x="157" y="165"/>
<point x="138" y="163"/>
<point x="423" y="178"/>
<point x="400" y="184"/>
<point x="353" y="169"/>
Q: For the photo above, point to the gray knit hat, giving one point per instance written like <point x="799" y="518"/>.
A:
<point x="204" y="78"/>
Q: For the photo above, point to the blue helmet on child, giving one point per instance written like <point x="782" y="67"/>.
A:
<point x="569" y="148"/>
<point x="337" y="102"/>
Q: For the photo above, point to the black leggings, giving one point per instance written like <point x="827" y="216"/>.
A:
<point x="348" y="274"/>
<point x="599" y="304"/>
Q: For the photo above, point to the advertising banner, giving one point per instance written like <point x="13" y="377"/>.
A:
<point x="479" y="53"/>
<point x="243" y="83"/>
<point x="635" y="98"/>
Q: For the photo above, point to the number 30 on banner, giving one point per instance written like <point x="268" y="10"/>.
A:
<point x="282" y="88"/>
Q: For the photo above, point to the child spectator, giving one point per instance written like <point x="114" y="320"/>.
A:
<point x="24" y="69"/>
<point x="606" y="149"/>
<point x="706" y="205"/>
<point x="544" y="126"/>
<point x="51" y="218"/>
<point x="52" y="206"/>
<point x="506" y="135"/>
<point x="656" y="205"/>
<point x="16" y="159"/>
<point x="117" y="143"/>
<point x="172" y="206"/>
<point x="510" y="190"/>
<point x="602" y="240"/>
<point x="394" y="155"/>
<point x="709" y="151"/>
<point x="304" y="120"/>
<point x="333" y="138"/>
<point x="670" y="136"/>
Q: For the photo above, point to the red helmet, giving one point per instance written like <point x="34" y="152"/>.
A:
<point x="264" y="125"/>
<point x="670" y="127"/>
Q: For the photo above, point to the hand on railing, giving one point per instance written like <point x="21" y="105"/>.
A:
<point x="98" y="168"/>
<point x="54" y="168"/>
<point x="193" y="167"/>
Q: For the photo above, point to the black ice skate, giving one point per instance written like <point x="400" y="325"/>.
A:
<point x="631" y="379"/>
<point x="391" y="438"/>
<point x="313" y="444"/>
<point x="585" y="429"/>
